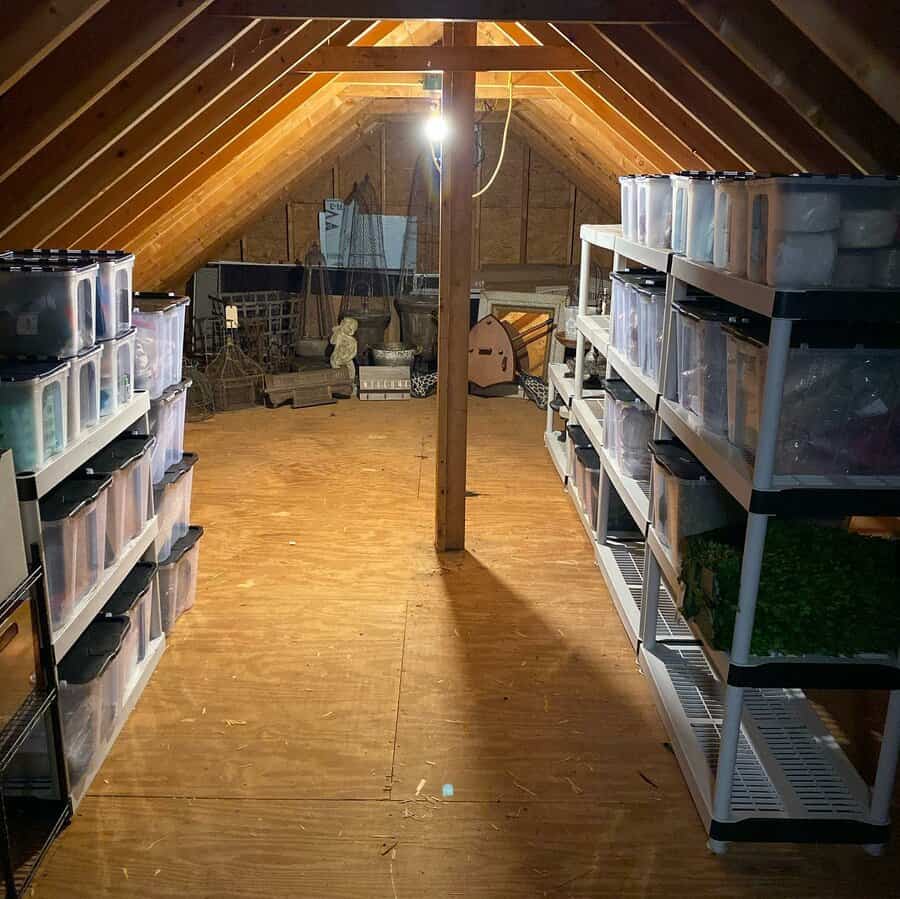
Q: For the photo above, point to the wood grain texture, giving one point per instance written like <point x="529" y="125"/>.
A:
<point x="507" y="663"/>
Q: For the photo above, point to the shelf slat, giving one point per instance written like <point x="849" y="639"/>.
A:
<point x="596" y="331"/>
<point x="646" y="389"/>
<point x="648" y="256"/>
<point x="557" y="451"/>
<point x="602" y="236"/>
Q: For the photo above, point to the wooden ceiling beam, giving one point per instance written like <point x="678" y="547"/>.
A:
<point x="681" y="123"/>
<point x="204" y="101"/>
<point x="482" y="79"/>
<point x="33" y="29"/>
<point x="849" y="36"/>
<point x="128" y="34"/>
<point x="123" y="109"/>
<point x="443" y="59"/>
<point x="750" y="97"/>
<point x="782" y="56"/>
<point x="645" y="11"/>
<point x="220" y="147"/>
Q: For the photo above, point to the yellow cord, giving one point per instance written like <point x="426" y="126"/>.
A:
<point x="493" y="177"/>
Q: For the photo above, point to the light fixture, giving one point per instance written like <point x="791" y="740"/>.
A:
<point x="436" y="128"/>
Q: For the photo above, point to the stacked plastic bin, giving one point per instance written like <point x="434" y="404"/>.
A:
<point x="159" y="321"/>
<point x="67" y="348"/>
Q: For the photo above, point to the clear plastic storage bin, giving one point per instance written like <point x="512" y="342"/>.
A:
<point x="698" y="245"/>
<point x="798" y="224"/>
<point x="81" y="676"/>
<point x="127" y="461"/>
<point x="117" y="373"/>
<point x="628" y="191"/>
<point x="172" y="497"/>
<point x="679" y="182"/>
<point x="654" y="211"/>
<point x="159" y="319"/>
<point x="84" y="392"/>
<point x="624" y="310"/>
<point x="34" y="400"/>
<point x="134" y="600"/>
<point x="627" y="426"/>
<point x="178" y="577"/>
<point x="74" y="533"/>
<point x="730" y="224"/>
<point x="687" y="500"/>
<point x="650" y="303"/>
<point x="167" y="425"/>
<point x="113" y="286"/>
<point x="587" y="481"/>
<point x="840" y="412"/>
<point x="46" y="310"/>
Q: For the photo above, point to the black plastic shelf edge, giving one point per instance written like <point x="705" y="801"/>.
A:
<point x="833" y="305"/>
<point x="820" y="675"/>
<point x="802" y="502"/>
<point x="799" y="830"/>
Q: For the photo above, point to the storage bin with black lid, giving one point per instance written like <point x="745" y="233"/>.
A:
<point x="687" y="500"/>
<point x="624" y="309"/>
<point x="172" y="501"/>
<point x="73" y="520"/>
<point x="84" y="392"/>
<point x="840" y="409"/>
<point x="167" y="424"/>
<point x="46" y="309"/>
<point x="627" y="426"/>
<point x="127" y="461"/>
<point x="178" y="577"/>
<point x="159" y="319"/>
<point x="134" y="599"/>
<point x="34" y="400"/>
<point x="587" y="481"/>
<point x="117" y="372"/>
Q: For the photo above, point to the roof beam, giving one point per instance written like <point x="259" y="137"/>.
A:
<point x="34" y="29"/>
<point x="681" y="123"/>
<point x="129" y="33"/>
<point x="847" y="35"/>
<point x="779" y="53"/>
<point x="443" y="59"/>
<point x="750" y="147"/>
<point x="158" y="78"/>
<point x="750" y="97"/>
<point x="645" y="11"/>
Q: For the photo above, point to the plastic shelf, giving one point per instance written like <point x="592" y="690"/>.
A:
<point x="63" y="639"/>
<point x="646" y="389"/>
<point x="596" y="331"/>
<point x="648" y="256"/>
<point x="557" y="452"/>
<point x="819" y="305"/>
<point x="603" y="236"/>
<point x="34" y="485"/>
<point x="791" y="782"/>
<point x="142" y="677"/>
<point x="564" y="386"/>
<point x="592" y="425"/>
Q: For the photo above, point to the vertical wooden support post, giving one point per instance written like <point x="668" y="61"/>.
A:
<point x="457" y="177"/>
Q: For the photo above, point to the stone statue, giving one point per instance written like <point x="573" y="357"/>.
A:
<point x="345" y="346"/>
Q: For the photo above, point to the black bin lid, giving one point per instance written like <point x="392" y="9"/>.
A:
<point x="678" y="461"/>
<point x="93" y="651"/>
<point x="157" y="301"/>
<point x="73" y="495"/>
<point x="26" y="370"/>
<point x="588" y="457"/>
<point x="578" y="435"/>
<point x="120" y="453"/>
<point x="135" y="585"/>
<point x="620" y="392"/>
<point x="181" y="546"/>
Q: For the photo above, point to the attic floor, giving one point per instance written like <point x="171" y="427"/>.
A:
<point x="337" y="678"/>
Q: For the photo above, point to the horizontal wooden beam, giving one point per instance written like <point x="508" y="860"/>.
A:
<point x="414" y="79"/>
<point x="443" y="59"/>
<point x="622" y="11"/>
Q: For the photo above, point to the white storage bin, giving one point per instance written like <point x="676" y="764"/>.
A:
<point x="84" y="392"/>
<point x="159" y="319"/>
<point x="34" y="411"/>
<point x="81" y="707"/>
<point x="127" y="461"/>
<point x="134" y="600"/>
<point x="172" y="500"/>
<point x="687" y="500"/>
<point x="650" y="302"/>
<point x="74" y="534"/>
<point x="798" y="222"/>
<point x="46" y="310"/>
<point x="730" y="224"/>
<point x="167" y="425"/>
<point x="178" y="577"/>
<point x="700" y="216"/>
<point x="679" y="182"/>
<point x="654" y="211"/>
<point x="841" y="399"/>
<point x="628" y="192"/>
<point x="113" y="285"/>
<point x="117" y="373"/>
<point x="627" y="426"/>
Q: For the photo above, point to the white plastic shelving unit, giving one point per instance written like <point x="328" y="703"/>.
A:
<point x="760" y="764"/>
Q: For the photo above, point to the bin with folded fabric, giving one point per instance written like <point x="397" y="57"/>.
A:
<point x="127" y="461"/>
<point x="627" y="426"/>
<point x="117" y="372"/>
<point x="73" y="517"/>
<point x="172" y="501"/>
<point x="34" y="400"/>
<point x="134" y="600"/>
<point x="625" y="309"/>
<point x="178" y="577"/>
<point x="83" y="403"/>
<point x="840" y="409"/>
<point x="687" y="499"/>
<point x="159" y="319"/>
<point x="46" y="309"/>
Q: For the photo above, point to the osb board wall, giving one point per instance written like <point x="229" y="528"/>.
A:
<point x="531" y="214"/>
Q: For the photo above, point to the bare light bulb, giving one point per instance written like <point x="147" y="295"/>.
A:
<point x="436" y="128"/>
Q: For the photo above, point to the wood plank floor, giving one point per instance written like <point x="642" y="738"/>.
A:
<point x="334" y="662"/>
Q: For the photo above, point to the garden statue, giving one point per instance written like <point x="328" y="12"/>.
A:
<point x="342" y="336"/>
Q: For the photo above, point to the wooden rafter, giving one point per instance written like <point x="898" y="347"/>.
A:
<point x="781" y="55"/>
<point x="33" y="29"/>
<point x="125" y="108"/>
<point x="130" y="33"/>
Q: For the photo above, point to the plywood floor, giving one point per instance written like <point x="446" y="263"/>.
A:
<point x="337" y="677"/>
